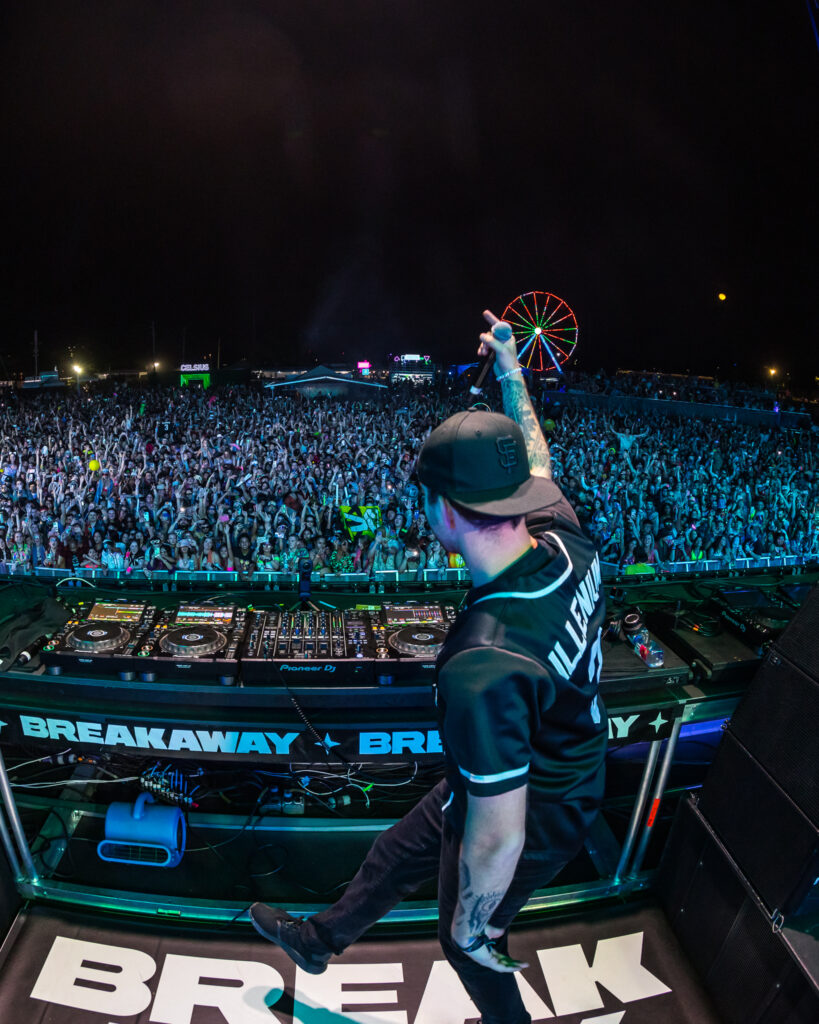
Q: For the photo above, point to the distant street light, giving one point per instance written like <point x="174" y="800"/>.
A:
<point x="78" y="371"/>
<point x="156" y="367"/>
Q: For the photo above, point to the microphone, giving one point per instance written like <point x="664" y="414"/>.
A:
<point x="501" y="331"/>
<point x="27" y="653"/>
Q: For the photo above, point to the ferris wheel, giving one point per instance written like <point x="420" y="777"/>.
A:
<point x="545" y="329"/>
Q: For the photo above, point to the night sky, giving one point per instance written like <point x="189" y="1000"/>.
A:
<point x="340" y="180"/>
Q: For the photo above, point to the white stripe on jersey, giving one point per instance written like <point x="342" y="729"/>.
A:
<point x="545" y="590"/>
<point x="500" y="777"/>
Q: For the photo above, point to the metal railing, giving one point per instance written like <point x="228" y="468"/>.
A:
<point x="712" y="565"/>
<point x="390" y="577"/>
<point x="267" y="580"/>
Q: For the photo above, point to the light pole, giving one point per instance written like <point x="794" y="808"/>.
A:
<point x="78" y="371"/>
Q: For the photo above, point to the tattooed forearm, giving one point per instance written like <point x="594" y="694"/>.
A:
<point x="518" y="406"/>
<point x="475" y="908"/>
<point x="494" y="835"/>
<point x="483" y="907"/>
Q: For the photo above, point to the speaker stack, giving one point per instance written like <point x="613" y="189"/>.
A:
<point x="740" y="875"/>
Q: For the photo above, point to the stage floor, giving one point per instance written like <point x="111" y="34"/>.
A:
<point x="62" y="967"/>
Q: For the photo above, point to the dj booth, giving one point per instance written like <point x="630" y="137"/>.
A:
<point x="184" y="753"/>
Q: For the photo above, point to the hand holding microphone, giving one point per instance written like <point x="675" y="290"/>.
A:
<point x="497" y="343"/>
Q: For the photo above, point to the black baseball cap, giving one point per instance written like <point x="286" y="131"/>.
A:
<point x="478" y="460"/>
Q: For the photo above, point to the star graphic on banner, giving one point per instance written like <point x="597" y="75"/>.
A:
<point x="327" y="743"/>
<point x="658" y="722"/>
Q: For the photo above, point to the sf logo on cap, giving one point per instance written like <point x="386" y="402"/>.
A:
<point x="507" y="452"/>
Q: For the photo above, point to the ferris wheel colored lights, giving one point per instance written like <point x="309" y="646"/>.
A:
<point x="545" y="329"/>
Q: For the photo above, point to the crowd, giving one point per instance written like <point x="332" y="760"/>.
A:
<point x="674" y="387"/>
<point x="241" y="479"/>
<point x="669" y="489"/>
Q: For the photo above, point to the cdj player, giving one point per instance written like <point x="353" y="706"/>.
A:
<point x="193" y="642"/>
<point x="100" y="639"/>
<point x="408" y="639"/>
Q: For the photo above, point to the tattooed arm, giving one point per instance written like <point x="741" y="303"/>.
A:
<point x="516" y="401"/>
<point x="518" y="406"/>
<point x="492" y="843"/>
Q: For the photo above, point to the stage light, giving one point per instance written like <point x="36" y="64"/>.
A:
<point x="77" y="369"/>
<point x="772" y="371"/>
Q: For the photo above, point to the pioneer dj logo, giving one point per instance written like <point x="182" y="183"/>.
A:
<point x="192" y="637"/>
<point x="120" y="982"/>
<point x="306" y="668"/>
<point x="507" y="452"/>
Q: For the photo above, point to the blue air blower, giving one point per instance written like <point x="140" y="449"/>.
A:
<point x="144" y="832"/>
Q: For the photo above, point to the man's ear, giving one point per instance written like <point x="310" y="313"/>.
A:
<point x="449" y="512"/>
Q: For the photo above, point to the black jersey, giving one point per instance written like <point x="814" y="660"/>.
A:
<point x="517" y="686"/>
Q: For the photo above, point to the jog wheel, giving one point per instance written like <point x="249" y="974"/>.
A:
<point x="418" y="641"/>
<point x="193" y="641"/>
<point x="97" y="637"/>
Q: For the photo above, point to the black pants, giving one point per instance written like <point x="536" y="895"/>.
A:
<point x="414" y="850"/>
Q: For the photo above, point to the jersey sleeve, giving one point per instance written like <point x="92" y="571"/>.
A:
<point x="490" y="715"/>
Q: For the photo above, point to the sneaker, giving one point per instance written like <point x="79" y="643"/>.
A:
<point x="276" y="925"/>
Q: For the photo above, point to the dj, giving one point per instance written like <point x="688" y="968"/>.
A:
<point x="517" y="690"/>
